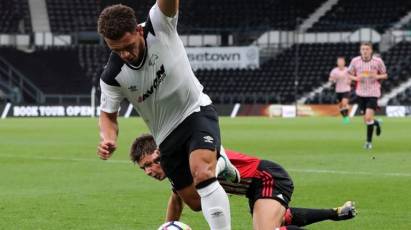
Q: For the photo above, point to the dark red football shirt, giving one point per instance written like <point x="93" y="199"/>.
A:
<point x="247" y="165"/>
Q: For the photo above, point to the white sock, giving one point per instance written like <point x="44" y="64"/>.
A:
<point x="221" y="162"/>
<point x="220" y="166"/>
<point x="215" y="206"/>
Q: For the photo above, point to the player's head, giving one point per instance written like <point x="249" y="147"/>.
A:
<point x="340" y="61"/>
<point x="366" y="50"/>
<point x="118" y="26"/>
<point x="146" y="154"/>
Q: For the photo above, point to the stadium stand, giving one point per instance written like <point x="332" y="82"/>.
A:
<point x="274" y="81"/>
<point x="403" y="98"/>
<point x="92" y="59"/>
<point x="398" y="64"/>
<point x="71" y="16"/>
<point x="54" y="71"/>
<point x="14" y="16"/>
<point x="229" y="15"/>
<point x="349" y="15"/>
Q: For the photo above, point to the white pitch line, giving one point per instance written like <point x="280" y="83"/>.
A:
<point x="66" y="159"/>
<point x="325" y="171"/>
<point x="318" y="171"/>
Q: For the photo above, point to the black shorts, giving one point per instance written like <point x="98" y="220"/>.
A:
<point x="271" y="182"/>
<point x="342" y="95"/>
<point x="367" y="103"/>
<point x="200" y="130"/>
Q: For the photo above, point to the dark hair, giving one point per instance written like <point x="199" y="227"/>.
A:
<point x="114" y="21"/>
<point x="366" y="44"/>
<point x="142" y="145"/>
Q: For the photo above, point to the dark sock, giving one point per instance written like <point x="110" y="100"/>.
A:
<point x="306" y="216"/>
<point x="377" y="125"/>
<point x="291" y="227"/>
<point x="344" y="112"/>
<point x="370" y="130"/>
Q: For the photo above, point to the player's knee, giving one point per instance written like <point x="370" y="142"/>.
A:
<point x="202" y="170"/>
<point x="368" y="119"/>
<point x="202" y="174"/>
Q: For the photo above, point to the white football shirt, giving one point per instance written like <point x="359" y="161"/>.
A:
<point x="163" y="88"/>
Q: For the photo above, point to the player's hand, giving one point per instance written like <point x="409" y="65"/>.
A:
<point x="106" y="148"/>
<point x="372" y="75"/>
<point x="357" y="78"/>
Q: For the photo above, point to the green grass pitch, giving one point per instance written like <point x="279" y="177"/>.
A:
<point x="51" y="178"/>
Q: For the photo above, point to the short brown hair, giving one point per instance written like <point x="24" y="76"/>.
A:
<point x="114" y="21"/>
<point x="142" y="145"/>
<point x="369" y="44"/>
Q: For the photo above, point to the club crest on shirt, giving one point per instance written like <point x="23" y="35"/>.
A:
<point x="153" y="60"/>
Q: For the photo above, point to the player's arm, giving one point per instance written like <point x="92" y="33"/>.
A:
<point x="353" y="77"/>
<point x="351" y="72"/>
<point x="382" y="72"/>
<point x="380" y="76"/>
<point x="331" y="78"/>
<point x="174" y="208"/>
<point x="108" y="134"/>
<point x="168" y="7"/>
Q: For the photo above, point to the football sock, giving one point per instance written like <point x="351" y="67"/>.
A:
<point x="306" y="216"/>
<point x="344" y="112"/>
<point x="220" y="166"/>
<point x="377" y="125"/>
<point x="214" y="204"/>
<point x="370" y="130"/>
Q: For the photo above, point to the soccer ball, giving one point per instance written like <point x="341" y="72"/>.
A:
<point x="174" y="225"/>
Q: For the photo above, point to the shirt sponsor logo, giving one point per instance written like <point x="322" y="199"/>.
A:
<point x="157" y="81"/>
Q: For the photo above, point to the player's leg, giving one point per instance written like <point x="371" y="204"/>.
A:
<point x="267" y="214"/>
<point x="344" y="109"/>
<point x="373" y="104"/>
<point x="204" y="146"/>
<point x="306" y="216"/>
<point x="190" y="197"/>
<point x="269" y="194"/>
<point x="214" y="200"/>
<point x="369" y="121"/>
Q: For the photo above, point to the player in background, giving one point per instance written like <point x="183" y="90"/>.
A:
<point x="149" y="67"/>
<point x="368" y="71"/>
<point x="266" y="184"/>
<point x="342" y="81"/>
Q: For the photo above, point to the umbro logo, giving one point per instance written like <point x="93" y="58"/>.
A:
<point x="133" y="88"/>
<point x="217" y="214"/>
<point x="208" y="139"/>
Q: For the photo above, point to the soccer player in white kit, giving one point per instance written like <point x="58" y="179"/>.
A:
<point x="342" y="81"/>
<point x="368" y="71"/>
<point x="149" y="67"/>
